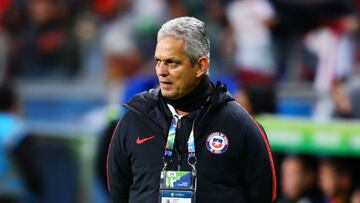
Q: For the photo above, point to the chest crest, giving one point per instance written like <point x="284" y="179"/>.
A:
<point x="217" y="143"/>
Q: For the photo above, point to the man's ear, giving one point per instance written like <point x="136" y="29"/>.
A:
<point x="203" y="66"/>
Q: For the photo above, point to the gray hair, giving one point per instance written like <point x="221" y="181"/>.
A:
<point x="192" y="31"/>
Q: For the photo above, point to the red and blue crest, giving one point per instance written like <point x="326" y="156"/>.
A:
<point x="217" y="143"/>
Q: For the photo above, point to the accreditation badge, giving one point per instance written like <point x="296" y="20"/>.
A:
<point x="177" y="187"/>
<point x="176" y="196"/>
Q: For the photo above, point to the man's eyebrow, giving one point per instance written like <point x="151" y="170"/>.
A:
<point x="171" y="59"/>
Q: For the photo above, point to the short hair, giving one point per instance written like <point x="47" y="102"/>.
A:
<point x="307" y="163"/>
<point x="192" y="31"/>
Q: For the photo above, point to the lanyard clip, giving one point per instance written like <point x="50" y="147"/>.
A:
<point x="192" y="161"/>
<point x="166" y="160"/>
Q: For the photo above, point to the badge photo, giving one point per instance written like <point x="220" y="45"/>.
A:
<point x="217" y="143"/>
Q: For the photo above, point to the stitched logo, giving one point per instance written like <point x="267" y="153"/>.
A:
<point x="142" y="140"/>
<point x="217" y="143"/>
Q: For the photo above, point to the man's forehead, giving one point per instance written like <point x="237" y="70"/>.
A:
<point x="169" y="47"/>
<point x="172" y="38"/>
<point x="170" y="43"/>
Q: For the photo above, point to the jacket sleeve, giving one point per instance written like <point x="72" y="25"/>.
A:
<point x="118" y="165"/>
<point x="259" y="177"/>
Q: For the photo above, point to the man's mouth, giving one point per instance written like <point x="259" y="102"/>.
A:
<point x="165" y="82"/>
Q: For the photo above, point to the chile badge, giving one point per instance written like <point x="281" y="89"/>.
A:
<point x="217" y="143"/>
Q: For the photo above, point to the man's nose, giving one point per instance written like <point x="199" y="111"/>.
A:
<point x="162" y="69"/>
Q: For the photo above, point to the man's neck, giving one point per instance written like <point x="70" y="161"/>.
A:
<point x="177" y="111"/>
<point x="194" y="99"/>
<point x="181" y="113"/>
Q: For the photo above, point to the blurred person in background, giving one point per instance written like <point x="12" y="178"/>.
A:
<point x="250" y="21"/>
<point x="257" y="99"/>
<point x="3" y="50"/>
<point x="355" y="197"/>
<point x="330" y="182"/>
<point x="333" y="43"/>
<point x="125" y="43"/>
<point x="346" y="96"/>
<point x="46" y="46"/>
<point x="136" y="155"/>
<point x="346" y="179"/>
<point x="177" y="8"/>
<point x="298" y="181"/>
<point x="12" y="133"/>
<point x="296" y="19"/>
<point x="4" y="6"/>
<point x="221" y="37"/>
<point x="122" y="57"/>
<point x="345" y="88"/>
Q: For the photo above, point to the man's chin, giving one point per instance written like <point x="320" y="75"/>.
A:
<point x="168" y="95"/>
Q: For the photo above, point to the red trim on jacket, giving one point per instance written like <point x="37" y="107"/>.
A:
<point x="272" y="165"/>
<point x="107" y="158"/>
<point x="273" y="195"/>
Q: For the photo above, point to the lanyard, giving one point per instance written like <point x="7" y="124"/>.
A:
<point x="171" y="140"/>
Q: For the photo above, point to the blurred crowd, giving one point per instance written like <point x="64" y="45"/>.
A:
<point x="257" y="47"/>
<point x="309" y="179"/>
<point x="257" y="44"/>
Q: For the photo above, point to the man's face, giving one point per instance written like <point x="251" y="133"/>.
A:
<point x="177" y="75"/>
<point x="328" y="179"/>
<point x="292" y="178"/>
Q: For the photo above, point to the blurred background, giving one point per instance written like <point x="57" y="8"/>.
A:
<point x="66" y="66"/>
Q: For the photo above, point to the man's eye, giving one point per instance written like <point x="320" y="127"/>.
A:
<point x="172" y="63"/>
<point x="158" y="62"/>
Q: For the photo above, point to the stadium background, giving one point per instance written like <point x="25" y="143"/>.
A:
<point x="293" y="64"/>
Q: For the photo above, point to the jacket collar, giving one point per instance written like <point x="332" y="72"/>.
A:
<point x="150" y="105"/>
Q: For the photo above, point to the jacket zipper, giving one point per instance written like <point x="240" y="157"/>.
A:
<point x="177" y="153"/>
<point x="179" y="162"/>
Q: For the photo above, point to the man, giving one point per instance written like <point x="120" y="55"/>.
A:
<point x="298" y="180"/>
<point x="232" y="160"/>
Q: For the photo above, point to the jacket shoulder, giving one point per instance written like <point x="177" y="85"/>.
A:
<point x="236" y="112"/>
<point x="144" y="101"/>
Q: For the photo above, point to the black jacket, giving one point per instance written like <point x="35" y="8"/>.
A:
<point x="243" y="173"/>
